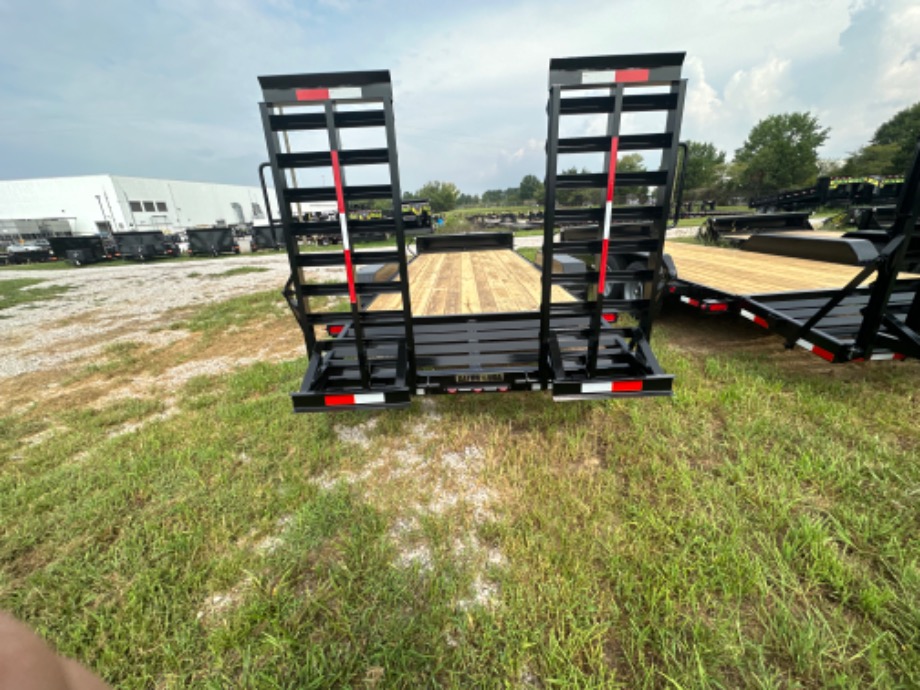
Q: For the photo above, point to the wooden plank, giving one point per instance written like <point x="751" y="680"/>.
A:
<point x="748" y="273"/>
<point x="471" y="283"/>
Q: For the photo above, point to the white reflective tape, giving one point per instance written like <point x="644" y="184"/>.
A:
<point x="748" y="315"/>
<point x="608" y="214"/>
<point x="883" y="357"/>
<point x="804" y="344"/>
<point x="597" y="387"/>
<point x="343" y="224"/>
<point x="605" y="77"/>
<point x="369" y="398"/>
<point x="534" y="386"/>
<point x="346" y="92"/>
<point x="685" y="299"/>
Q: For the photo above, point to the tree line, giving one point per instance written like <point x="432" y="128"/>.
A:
<point x="780" y="152"/>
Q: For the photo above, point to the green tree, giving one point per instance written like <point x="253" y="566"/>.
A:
<point x="578" y="197"/>
<point x="872" y="160"/>
<point x="781" y="152"/>
<point x="443" y="195"/>
<point x="512" y="197"/>
<point x="531" y="189"/>
<point x="705" y="165"/>
<point x="493" y="197"/>
<point x="901" y="131"/>
<point x="631" y="162"/>
<point x="468" y="200"/>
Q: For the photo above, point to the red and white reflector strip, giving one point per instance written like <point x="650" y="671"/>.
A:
<point x="343" y="225"/>
<point x="608" y="213"/>
<point x="811" y="347"/>
<point x="690" y="300"/>
<point x="611" y="387"/>
<point x="631" y="76"/>
<point x="619" y="76"/>
<point x="327" y="94"/>
<point x="355" y="399"/>
<point x="888" y="356"/>
<point x="760" y="321"/>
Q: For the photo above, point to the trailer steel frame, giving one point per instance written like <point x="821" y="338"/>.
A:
<point x="856" y="322"/>
<point x="379" y="359"/>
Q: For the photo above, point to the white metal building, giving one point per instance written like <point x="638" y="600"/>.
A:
<point x="91" y="203"/>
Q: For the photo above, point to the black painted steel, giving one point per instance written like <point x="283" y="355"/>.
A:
<point x="345" y="372"/>
<point x="81" y="250"/>
<point x="635" y="232"/>
<point x="211" y="241"/>
<point x="144" y="245"/>
<point x="874" y="316"/>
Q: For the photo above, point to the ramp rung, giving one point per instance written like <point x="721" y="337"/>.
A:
<point x="317" y="159"/>
<point x="649" y="178"/>
<point x="602" y="105"/>
<point x="337" y="289"/>
<point x="343" y="120"/>
<point x="371" y="191"/>
<point x="627" y="142"/>
<point x="336" y="258"/>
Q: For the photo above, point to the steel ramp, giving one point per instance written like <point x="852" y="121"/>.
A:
<point x="359" y="369"/>
<point x="621" y="242"/>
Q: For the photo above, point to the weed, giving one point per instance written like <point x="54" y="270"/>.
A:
<point x="19" y="291"/>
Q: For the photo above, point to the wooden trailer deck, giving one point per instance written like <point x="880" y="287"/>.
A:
<point x="747" y="273"/>
<point x="478" y="282"/>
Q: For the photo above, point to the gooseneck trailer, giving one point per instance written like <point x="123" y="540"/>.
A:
<point x="468" y="315"/>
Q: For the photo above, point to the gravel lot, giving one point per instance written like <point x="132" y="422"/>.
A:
<point x="134" y="302"/>
<point x="112" y="303"/>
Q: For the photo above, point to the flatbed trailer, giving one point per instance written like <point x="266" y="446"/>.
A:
<point x="859" y="303"/>
<point x="469" y="316"/>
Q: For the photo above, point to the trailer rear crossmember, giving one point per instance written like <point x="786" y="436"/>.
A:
<point x="395" y="340"/>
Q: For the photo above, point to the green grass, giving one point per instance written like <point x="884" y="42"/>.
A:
<point x="19" y="291"/>
<point x="218" y="317"/>
<point x="757" y="530"/>
<point x="529" y="253"/>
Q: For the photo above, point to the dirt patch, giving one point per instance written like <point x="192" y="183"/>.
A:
<point x="411" y="477"/>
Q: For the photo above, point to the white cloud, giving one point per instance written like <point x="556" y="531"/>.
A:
<point x="172" y="86"/>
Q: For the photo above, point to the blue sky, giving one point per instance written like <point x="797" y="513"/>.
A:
<point x="167" y="88"/>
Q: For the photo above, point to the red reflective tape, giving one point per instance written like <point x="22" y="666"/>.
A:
<point x="761" y="321"/>
<point x="337" y="178"/>
<point x="626" y="386"/>
<point x="612" y="172"/>
<point x="605" y="244"/>
<point x="716" y="306"/>
<point x="822" y="353"/>
<point x="311" y="94"/>
<point x="335" y="329"/>
<point x="693" y="302"/>
<point x="626" y="76"/>
<point x="609" y="318"/>
<point x="333" y="400"/>
<point x="899" y="357"/>
<point x="350" y="276"/>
